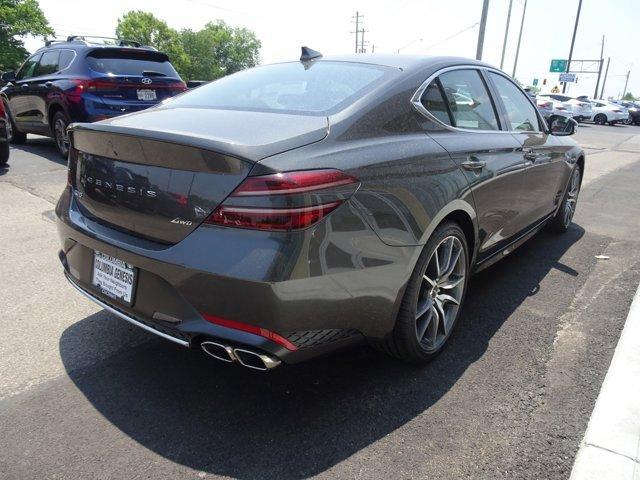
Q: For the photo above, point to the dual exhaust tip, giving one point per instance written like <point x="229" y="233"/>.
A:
<point x="246" y="358"/>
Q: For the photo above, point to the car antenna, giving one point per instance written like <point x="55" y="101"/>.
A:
<point x="309" y="56"/>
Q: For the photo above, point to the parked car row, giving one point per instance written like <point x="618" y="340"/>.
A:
<point x="583" y="108"/>
<point x="78" y="80"/>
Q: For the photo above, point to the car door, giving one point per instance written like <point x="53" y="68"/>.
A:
<point x="21" y="103"/>
<point x="41" y="87"/>
<point x="546" y="171"/>
<point x="489" y="157"/>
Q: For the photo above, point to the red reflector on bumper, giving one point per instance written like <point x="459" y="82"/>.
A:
<point x="262" y="332"/>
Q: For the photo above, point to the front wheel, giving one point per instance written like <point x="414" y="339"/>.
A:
<point x="564" y="216"/>
<point x="433" y="297"/>
<point x="13" y="135"/>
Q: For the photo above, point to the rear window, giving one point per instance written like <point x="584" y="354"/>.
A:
<point x="127" y="62"/>
<point x="322" y="88"/>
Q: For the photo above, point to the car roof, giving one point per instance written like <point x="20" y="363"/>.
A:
<point x="403" y="62"/>
<point x="82" y="45"/>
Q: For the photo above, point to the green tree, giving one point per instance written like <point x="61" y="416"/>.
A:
<point x="218" y="50"/>
<point x="17" y="19"/>
<point x="145" y="28"/>
<point x="213" y="52"/>
<point x="629" y="97"/>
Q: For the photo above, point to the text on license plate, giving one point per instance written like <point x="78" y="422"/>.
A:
<point x="113" y="277"/>
<point x="147" y="95"/>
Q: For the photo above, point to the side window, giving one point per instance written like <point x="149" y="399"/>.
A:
<point x="66" y="57"/>
<point x="521" y="114"/>
<point x="27" y="68"/>
<point x="48" y="63"/>
<point x="433" y="101"/>
<point x="468" y="100"/>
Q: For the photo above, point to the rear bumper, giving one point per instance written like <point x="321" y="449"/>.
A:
<point x="322" y="288"/>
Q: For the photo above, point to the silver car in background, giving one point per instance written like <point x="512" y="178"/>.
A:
<point x="580" y="109"/>
<point x="608" y="112"/>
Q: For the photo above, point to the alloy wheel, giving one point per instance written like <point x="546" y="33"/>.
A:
<point x="62" y="137"/>
<point x="572" y="197"/>
<point x="440" y="293"/>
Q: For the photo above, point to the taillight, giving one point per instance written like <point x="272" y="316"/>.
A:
<point x="180" y="86"/>
<point x="284" y="201"/>
<point x="245" y="327"/>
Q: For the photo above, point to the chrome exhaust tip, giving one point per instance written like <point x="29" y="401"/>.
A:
<point x="218" y="351"/>
<point x="254" y="360"/>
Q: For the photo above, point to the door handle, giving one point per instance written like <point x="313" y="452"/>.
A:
<point x="474" y="164"/>
<point x="24" y="86"/>
<point x="48" y="84"/>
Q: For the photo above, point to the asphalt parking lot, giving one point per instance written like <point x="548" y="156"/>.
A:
<point x="86" y="395"/>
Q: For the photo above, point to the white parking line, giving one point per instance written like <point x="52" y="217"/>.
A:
<point x="611" y="445"/>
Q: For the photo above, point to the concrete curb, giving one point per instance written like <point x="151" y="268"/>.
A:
<point x="611" y="445"/>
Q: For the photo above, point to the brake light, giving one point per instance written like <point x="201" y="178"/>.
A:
<point x="245" y="327"/>
<point x="180" y="86"/>
<point x="2" y="112"/>
<point x="305" y="197"/>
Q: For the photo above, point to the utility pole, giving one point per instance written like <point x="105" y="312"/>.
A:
<point x="606" y="72"/>
<point x="357" y="17"/>
<point x="595" y="95"/>
<point x="483" y="24"/>
<point x="362" y="50"/>
<point x="626" y="82"/>
<point x="573" y="41"/>
<point x="506" y="34"/>
<point x="515" y="63"/>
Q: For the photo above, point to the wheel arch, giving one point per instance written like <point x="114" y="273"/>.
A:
<point x="463" y="214"/>
<point x="54" y="108"/>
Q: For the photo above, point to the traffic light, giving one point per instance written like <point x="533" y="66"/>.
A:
<point x="544" y="81"/>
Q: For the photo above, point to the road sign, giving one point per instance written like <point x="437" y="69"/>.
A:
<point x="568" y="77"/>
<point x="535" y="82"/>
<point x="558" y="65"/>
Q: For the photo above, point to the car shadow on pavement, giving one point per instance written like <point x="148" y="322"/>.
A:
<point x="298" y="420"/>
<point x="43" y="147"/>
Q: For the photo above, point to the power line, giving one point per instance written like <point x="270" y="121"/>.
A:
<point x="470" y="27"/>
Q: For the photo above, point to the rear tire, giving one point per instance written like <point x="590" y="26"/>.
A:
<point x="59" y="126"/>
<point x="600" y="119"/>
<point x="433" y="298"/>
<point x="4" y="153"/>
<point x="564" y="216"/>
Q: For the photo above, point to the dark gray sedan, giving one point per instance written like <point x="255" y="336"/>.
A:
<point x="292" y="209"/>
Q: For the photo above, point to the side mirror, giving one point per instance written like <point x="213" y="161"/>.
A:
<point x="9" y="76"/>
<point x="561" y="126"/>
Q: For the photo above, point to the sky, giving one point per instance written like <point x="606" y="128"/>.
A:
<point x="429" y="27"/>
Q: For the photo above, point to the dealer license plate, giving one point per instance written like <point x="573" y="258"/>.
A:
<point x="113" y="277"/>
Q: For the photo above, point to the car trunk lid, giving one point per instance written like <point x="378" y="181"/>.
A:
<point x="158" y="174"/>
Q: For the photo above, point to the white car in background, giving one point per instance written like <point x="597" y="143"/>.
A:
<point x="580" y="109"/>
<point x="608" y="112"/>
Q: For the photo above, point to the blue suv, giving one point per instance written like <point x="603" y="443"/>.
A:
<point x="78" y="80"/>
